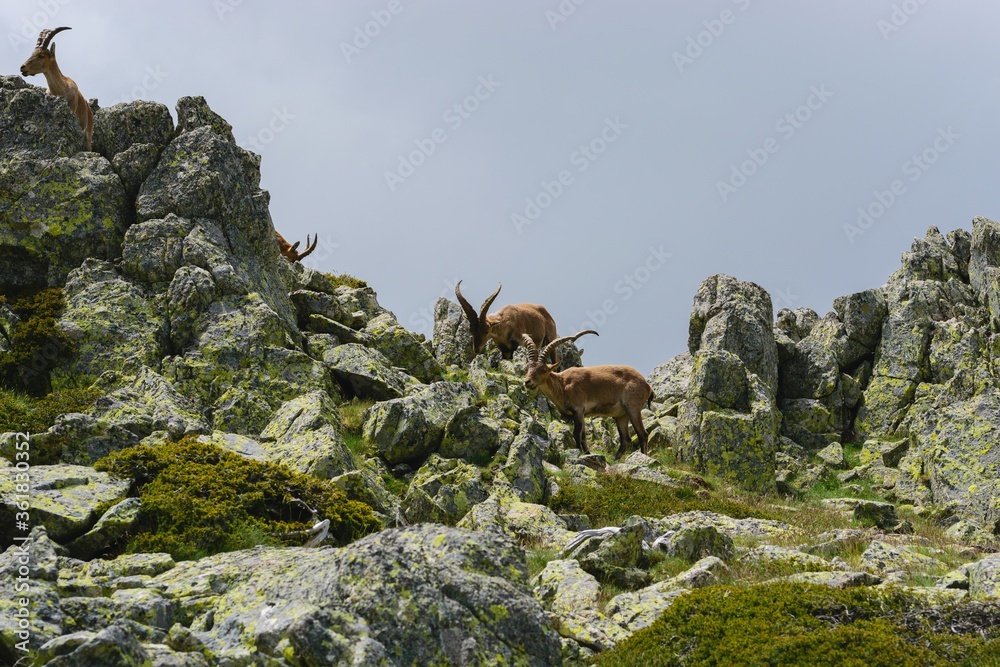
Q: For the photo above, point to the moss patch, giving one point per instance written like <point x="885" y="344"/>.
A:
<point x="199" y="499"/>
<point x="346" y="281"/>
<point x="616" y="498"/>
<point x="36" y="344"/>
<point x="783" y="624"/>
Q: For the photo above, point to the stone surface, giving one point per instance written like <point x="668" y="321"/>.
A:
<point x="408" y="429"/>
<point x="64" y="499"/>
<point x="304" y="435"/>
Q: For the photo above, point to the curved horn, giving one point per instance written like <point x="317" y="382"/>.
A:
<point x="470" y="312"/>
<point x="310" y="248"/>
<point x="530" y="345"/>
<point x="45" y="37"/>
<point x="489" y="302"/>
<point x="565" y="339"/>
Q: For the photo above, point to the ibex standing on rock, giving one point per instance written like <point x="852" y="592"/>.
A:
<point x="507" y="325"/>
<point x="43" y="61"/>
<point x="291" y="252"/>
<point x="619" y="392"/>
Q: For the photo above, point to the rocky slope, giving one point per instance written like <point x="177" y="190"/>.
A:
<point x="179" y="314"/>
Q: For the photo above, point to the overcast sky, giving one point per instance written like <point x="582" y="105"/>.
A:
<point x="599" y="158"/>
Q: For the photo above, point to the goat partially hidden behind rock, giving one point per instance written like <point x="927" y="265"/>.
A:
<point x="291" y="252"/>
<point x="506" y="326"/>
<point x="43" y="61"/>
<point x="619" y="392"/>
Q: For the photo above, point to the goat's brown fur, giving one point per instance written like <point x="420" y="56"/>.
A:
<point x="619" y="392"/>
<point x="43" y="61"/>
<point x="291" y="252"/>
<point x="506" y="326"/>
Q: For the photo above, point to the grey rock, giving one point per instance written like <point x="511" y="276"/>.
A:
<point x="443" y="491"/>
<point x="65" y="499"/>
<point x="154" y="250"/>
<point x="118" y="128"/>
<point x="403" y="349"/>
<point x="328" y="606"/>
<point x="109" y="529"/>
<point x="452" y="339"/>
<point x="304" y="436"/>
<point x="696" y="542"/>
<point x="736" y="317"/>
<point x="367" y="373"/>
<point x="408" y="429"/>
<point x="670" y="381"/>
<point x="524" y="469"/>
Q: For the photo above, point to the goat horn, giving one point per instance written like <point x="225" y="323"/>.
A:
<point x="532" y="350"/>
<point x="565" y="339"/>
<point x="45" y="37"/>
<point x="489" y="302"/>
<point x="310" y="248"/>
<point x="470" y="312"/>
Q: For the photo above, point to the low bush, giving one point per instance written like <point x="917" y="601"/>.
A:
<point x="199" y="499"/>
<point x="786" y="625"/>
<point x="617" y="497"/>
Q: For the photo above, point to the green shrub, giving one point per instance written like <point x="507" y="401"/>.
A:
<point x="786" y="625"/>
<point x="199" y="499"/>
<point x="20" y="413"/>
<point x="36" y="344"/>
<point x="617" y="497"/>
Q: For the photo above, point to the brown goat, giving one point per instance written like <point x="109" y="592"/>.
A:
<point x="291" y="252"/>
<point x="506" y="326"/>
<point x="43" y="61"/>
<point x="619" y="392"/>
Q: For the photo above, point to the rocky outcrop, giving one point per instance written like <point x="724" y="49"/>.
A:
<point x="421" y="595"/>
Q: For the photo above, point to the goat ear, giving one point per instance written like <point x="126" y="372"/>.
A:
<point x="554" y="367"/>
<point x="52" y="50"/>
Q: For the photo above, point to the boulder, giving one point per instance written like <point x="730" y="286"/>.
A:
<point x="737" y="444"/>
<point x="120" y="127"/>
<point x="112" y="322"/>
<point x="455" y="598"/>
<point x="670" y="380"/>
<point x="524" y="469"/>
<point x="984" y="578"/>
<point x="736" y="317"/>
<point x="404" y="349"/>
<point x="693" y="543"/>
<point x="452" y="339"/>
<point x="406" y="430"/>
<point x="64" y="498"/>
<point x="443" y="491"/>
<point x="109" y="529"/>
<point x="637" y="610"/>
<point x="367" y="373"/>
<point x="304" y="435"/>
